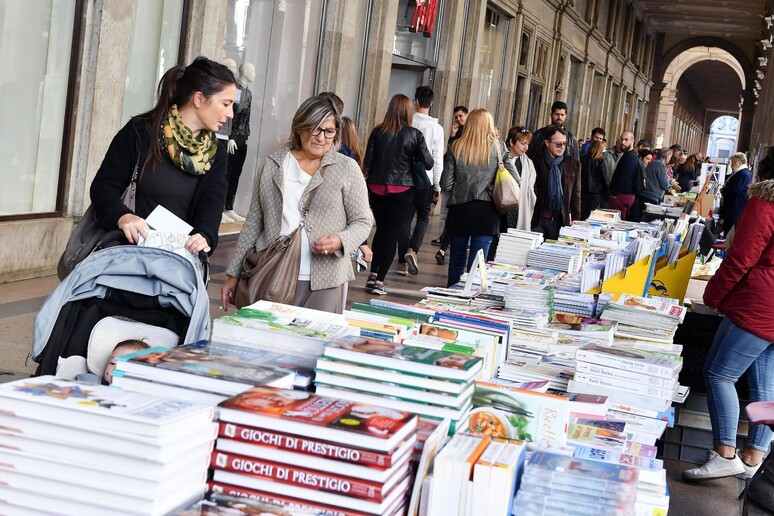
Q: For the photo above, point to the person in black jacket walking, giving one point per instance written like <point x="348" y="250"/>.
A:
<point x="594" y="188"/>
<point x="623" y="187"/>
<point x="182" y="165"/>
<point x="393" y="149"/>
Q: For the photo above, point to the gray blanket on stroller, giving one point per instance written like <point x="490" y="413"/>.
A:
<point x="169" y="277"/>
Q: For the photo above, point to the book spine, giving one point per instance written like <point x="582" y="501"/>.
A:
<point x="291" y="503"/>
<point x="630" y="409"/>
<point x="271" y="439"/>
<point x="301" y="477"/>
<point x="636" y="388"/>
<point x="627" y="376"/>
<point x="624" y="363"/>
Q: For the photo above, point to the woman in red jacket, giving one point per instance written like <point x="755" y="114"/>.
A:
<point x="742" y="289"/>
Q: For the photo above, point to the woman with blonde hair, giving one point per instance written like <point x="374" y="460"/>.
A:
<point x="469" y="171"/>
<point x="393" y="149"/>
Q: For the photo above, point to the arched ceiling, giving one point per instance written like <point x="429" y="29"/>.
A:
<point x="721" y="18"/>
<point x="716" y="85"/>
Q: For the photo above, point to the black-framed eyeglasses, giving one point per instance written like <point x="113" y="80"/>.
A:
<point x="559" y="144"/>
<point x="330" y="133"/>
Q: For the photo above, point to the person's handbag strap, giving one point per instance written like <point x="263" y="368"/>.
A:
<point x="130" y="193"/>
<point x="499" y="154"/>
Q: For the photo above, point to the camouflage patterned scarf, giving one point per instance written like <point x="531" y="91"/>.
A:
<point x="190" y="154"/>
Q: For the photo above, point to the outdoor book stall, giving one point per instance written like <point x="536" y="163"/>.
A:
<point x="546" y="382"/>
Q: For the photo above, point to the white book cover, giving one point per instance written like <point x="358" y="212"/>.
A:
<point x="101" y="407"/>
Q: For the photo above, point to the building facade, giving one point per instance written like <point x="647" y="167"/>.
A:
<point x="86" y="66"/>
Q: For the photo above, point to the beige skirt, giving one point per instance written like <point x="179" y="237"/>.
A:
<point x="329" y="299"/>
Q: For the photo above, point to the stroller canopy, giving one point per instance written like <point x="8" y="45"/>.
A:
<point x="170" y="278"/>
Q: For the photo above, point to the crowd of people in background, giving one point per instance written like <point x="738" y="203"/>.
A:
<point x="408" y="164"/>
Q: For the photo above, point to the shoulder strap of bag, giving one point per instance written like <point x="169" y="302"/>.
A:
<point x="499" y="154"/>
<point x="131" y="190"/>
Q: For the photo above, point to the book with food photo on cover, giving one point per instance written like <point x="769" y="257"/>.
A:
<point x="501" y="410"/>
<point x="321" y="417"/>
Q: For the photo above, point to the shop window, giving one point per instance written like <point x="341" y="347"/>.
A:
<point x="581" y="6"/>
<point x="574" y="89"/>
<point x="153" y="50"/>
<point x="533" y="106"/>
<point x="279" y="41"/>
<point x="36" y="44"/>
<point x="604" y="7"/>
<point x="416" y="35"/>
<point x="491" y="55"/>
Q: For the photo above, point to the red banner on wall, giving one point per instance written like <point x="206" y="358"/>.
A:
<point x="424" y="17"/>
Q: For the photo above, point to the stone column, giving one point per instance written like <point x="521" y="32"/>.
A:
<point x="663" y="122"/>
<point x="206" y="29"/>
<point x="476" y="13"/>
<point x="450" y="41"/>
<point x="379" y="45"/>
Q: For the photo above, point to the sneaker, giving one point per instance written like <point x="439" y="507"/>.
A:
<point x="225" y="219"/>
<point x="411" y="261"/>
<point x="403" y="269"/>
<point x="436" y="241"/>
<point x="379" y="288"/>
<point x="440" y="257"/>
<point x="234" y="216"/>
<point x="370" y="282"/>
<point x="715" y="467"/>
<point x="749" y="471"/>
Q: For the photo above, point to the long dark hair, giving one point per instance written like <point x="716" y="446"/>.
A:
<point x="177" y="86"/>
<point x="351" y="139"/>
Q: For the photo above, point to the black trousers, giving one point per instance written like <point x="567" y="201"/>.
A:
<point x="390" y="212"/>
<point x="235" y="163"/>
<point x="422" y="204"/>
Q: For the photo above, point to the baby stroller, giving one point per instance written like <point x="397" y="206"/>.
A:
<point x="145" y="285"/>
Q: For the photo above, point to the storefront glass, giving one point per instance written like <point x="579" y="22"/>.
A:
<point x="280" y="40"/>
<point x="35" y="47"/>
<point x="491" y="50"/>
<point x="153" y="50"/>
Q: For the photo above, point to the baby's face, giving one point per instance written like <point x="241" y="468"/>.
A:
<point x="117" y="352"/>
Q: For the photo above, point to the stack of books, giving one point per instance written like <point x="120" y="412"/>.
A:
<point x="75" y="448"/>
<point x="299" y="449"/>
<point x="648" y="319"/>
<point x="627" y="376"/>
<point x="558" y="484"/>
<point x="207" y="372"/>
<point x="557" y="375"/>
<point x="529" y="295"/>
<point x="515" y="245"/>
<point x="559" y="257"/>
<point x="289" y="329"/>
<point x="432" y="383"/>
<point x="604" y="216"/>
<point x="475" y="474"/>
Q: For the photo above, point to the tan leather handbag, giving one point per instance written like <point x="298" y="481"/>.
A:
<point x="272" y="273"/>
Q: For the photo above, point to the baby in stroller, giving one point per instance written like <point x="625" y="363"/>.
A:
<point x="107" y="342"/>
<point x="118" y="294"/>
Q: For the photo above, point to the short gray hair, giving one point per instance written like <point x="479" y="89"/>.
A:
<point x="739" y="157"/>
<point x="310" y="115"/>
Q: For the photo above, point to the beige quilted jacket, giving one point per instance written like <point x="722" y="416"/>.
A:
<point x="340" y="206"/>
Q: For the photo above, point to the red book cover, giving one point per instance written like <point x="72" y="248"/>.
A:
<point x="301" y="477"/>
<point x="321" y="417"/>
<point x="308" y="446"/>
<point x="284" y="501"/>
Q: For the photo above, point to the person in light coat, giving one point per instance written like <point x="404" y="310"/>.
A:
<point x="338" y="220"/>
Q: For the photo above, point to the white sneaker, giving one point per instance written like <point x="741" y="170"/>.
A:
<point x="715" y="467"/>
<point x="749" y="471"/>
<point x="234" y="216"/>
<point x="225" y="219"/>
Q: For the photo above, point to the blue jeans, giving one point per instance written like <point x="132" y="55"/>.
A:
<point x="459" y="249"/>
<point x="733" y="352"/>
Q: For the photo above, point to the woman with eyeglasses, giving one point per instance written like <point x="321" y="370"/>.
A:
<point x="557" y="186"/>
<point x="338" y="219"/>
<point x="394" y="149"/>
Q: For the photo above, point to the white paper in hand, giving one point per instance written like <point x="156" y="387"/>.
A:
<point x="161" y="219"/>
